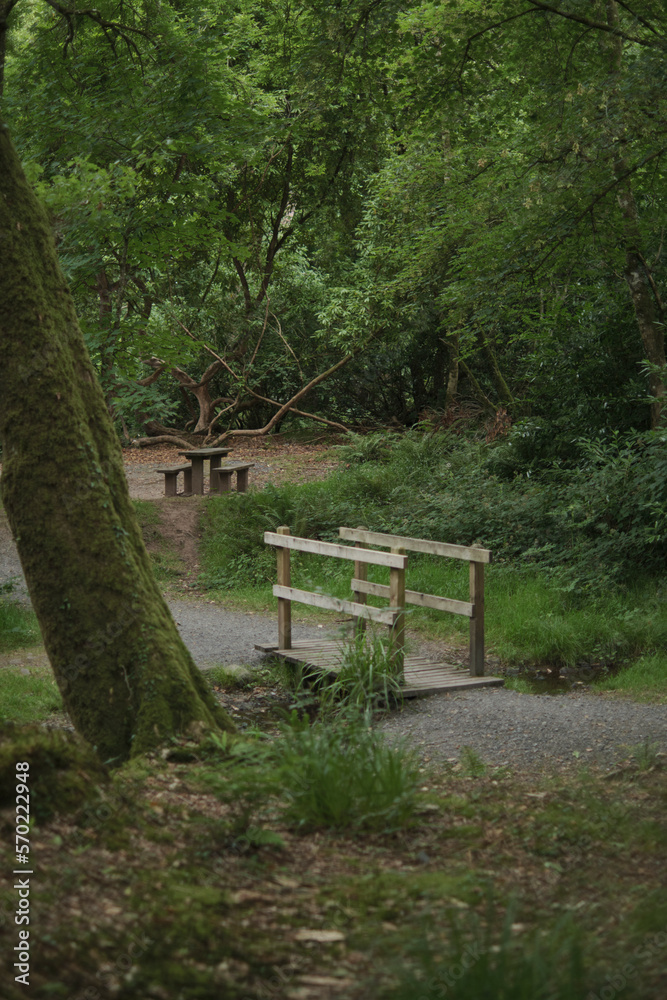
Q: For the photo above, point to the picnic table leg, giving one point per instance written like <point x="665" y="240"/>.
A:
<point x="170" y="483"/>
<point x="216" y="462"/>
<point x="284" y="604"/>
<point x="224" y="481"/>
<point x="197" y="474"/>
<point x="477" y="621"/>
<point x="187" y="480"/>
<point x="397" y="600"/>
<point x="242" y="480"/>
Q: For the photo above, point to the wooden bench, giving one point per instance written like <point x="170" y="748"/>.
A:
<point x="221" y="478"/>
<point x="171" y="479"/>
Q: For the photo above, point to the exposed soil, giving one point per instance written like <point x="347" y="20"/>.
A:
<point x="275" y="461"/>
<point x="177" y="532"/>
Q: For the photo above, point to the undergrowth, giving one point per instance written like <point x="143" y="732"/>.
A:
<point x="330" y="774"/>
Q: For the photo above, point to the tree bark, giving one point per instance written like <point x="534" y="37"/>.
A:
<point x="126" y="677"/>
<point x="648" y="307"/>
<point x="649" y="312"/>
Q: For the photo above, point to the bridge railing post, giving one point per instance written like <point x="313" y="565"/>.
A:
<point x="358" y="596"/>
<point x="477" y="620"/>
<point x="284" y="604"/>
<point x="397" y="602"/>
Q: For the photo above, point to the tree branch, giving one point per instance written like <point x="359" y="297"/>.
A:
<point x="244" y="283"/>
<point x="116" y="28"/>
<point x="297" y="397"/>
<point x="275" y="243"/>
<point x="590" y="22"/>
<point x="301" y="413"/>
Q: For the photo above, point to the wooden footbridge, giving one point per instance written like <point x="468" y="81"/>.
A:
<point x="421" y="675"/>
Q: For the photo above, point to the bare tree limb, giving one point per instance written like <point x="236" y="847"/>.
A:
<point x="209" y="349"/>
<point x="302" y="413"/>
<point x="290" y="405"/>
<point x="160" y="439"/>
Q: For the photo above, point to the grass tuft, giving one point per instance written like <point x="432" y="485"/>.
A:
<point x="644" y="680"/>
<point x="477" y="963"/>
<point x="369" y="676"/>
<point x="343" y="775"/>
<point x="18" y="626"/>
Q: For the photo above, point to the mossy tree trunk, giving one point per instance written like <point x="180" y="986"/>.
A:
<point x="125" y="675"/>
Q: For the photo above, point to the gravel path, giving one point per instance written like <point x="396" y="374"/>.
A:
<point x="528" y="730"/>
<point x="217" y="636"/>
<point x="213" y="634"/>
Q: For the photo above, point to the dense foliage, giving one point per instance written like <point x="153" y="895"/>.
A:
<point x="462" y="202"/>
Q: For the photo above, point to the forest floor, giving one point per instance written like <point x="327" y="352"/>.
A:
<point x="276" y="460"/>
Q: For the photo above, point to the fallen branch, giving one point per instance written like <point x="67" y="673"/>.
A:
<point x="161" y="439"/>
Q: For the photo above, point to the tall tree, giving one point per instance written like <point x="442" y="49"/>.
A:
<point x="126" y="677"/>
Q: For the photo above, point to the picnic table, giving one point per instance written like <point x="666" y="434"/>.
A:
<point x="198" y="456"/>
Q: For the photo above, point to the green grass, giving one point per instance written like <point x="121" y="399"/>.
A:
<point x="229" y="680"/>
<point x="18" y="626"/>
<point x="147" y="513"/>
<point x="334" y="774"/>
<point x="643" y="680"/>
<point x="368" y="676"/>
<point x="28" y="697"/>
<point x="481" y="962"/>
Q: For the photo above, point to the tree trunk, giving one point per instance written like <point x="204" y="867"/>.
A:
<point x="126" y="677"/>
<point x="648" y="306"/>
<point x="649" y="312"/>
<point x="453" y="375"/>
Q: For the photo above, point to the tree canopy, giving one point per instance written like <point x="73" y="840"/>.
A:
<point x="451" y="198"/>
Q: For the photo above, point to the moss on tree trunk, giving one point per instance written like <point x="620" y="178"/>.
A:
<point x="127" y="679"/>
